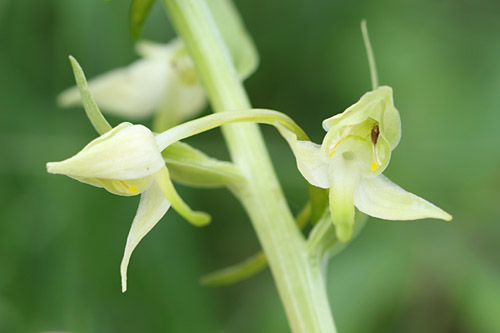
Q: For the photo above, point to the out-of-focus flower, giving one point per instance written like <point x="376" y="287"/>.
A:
<point x="163" y="80"/>
<point x="350" y="161"/>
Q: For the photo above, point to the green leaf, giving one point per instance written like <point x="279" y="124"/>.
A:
<point x="236" y="273"/>
<point x="190" y="166"/>
<point x="139" y="11"/>
<point x="236" y="37"/>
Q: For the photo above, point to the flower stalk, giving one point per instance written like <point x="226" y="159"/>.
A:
<point x="299" y="280"/>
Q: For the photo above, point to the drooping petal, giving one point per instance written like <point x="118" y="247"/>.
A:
<point x="309" y="159"/>
<point x="196" y="218"/>
<point x="133" y="92"/>
<point x="126" y="152"/>
<point x="152" y="207"/>
<point x="379" y="197"/>
<point x="344" y="177"/>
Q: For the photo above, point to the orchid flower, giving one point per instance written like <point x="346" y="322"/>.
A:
<point x="350" y="161"/>
<point x="164" y="80"/>
<point x="125" y="160"/>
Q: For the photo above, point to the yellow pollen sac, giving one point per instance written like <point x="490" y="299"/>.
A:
<point x="132" y="189"/>
<point x="376" y="161"/>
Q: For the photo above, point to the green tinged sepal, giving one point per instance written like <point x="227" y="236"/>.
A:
<point x="122" y="160"/>
<point x="192" y="167"/>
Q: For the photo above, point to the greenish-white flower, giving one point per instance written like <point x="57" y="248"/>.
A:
<point x="126" y="161"/>
<point x="163" y="80"/>
<point x="350" y="161"/>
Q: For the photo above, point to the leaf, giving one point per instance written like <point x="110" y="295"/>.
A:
<point x="139" y="11"/>
<point x="236" y="37"/>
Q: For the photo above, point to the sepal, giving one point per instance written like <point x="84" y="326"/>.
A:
<point x="190" y="166"/>
<point x="379" y="197"/>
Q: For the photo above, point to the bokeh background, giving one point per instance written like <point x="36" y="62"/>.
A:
<point x="61" y="242"/>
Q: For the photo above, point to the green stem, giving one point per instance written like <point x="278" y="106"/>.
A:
<point x="299" y="280"/>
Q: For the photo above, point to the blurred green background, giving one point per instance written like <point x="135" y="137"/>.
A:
<point x="61" y="242"/>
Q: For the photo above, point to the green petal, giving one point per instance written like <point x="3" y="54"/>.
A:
<point x="390" y="124"/>
<point x="126" y="152"/>
<point x="196" y="218"/>
<point x="344" y="177"/>
<point x="236" y="37"/>
<point x="378" y="105"/>
<point x="82" y="93"/>
<point x="152" y="207"/>
<point x="309" y="159"/>
<point x="190" y="166"/>
<point x="379" y="197"/>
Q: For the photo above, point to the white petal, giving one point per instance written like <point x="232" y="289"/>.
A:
<point x="309" y="159"/>
<point x="182" y="101"/>
<point x="126" y="152"/>
<point x="152" y="207"/>
<point x="156" y="51"/>
<point x="132" y="92"/>
<point x="379" y="197"/>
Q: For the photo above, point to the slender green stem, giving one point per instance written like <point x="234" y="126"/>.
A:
<point x="299" y="280"/>
<point x="369" y="53"/>
<point x="206" y="123"/>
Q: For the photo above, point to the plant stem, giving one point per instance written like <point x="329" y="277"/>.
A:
<point x="299" y="280"/>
